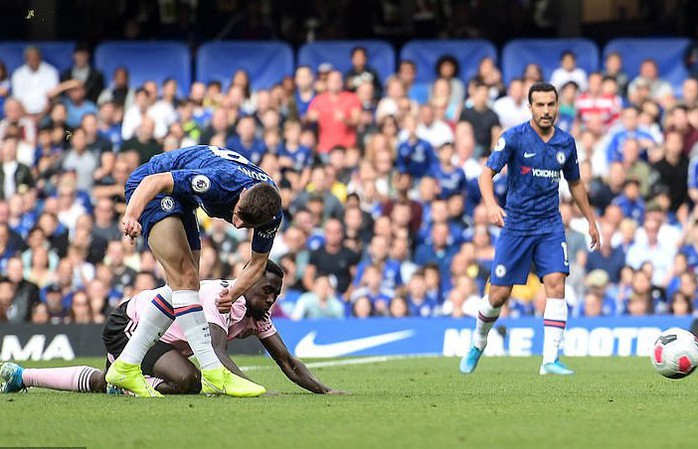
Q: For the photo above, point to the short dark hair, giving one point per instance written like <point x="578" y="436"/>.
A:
<point x="359" y="48"/>
<point x="541" y="87"/>
<point x="259" y="204"/>
<point x="274" y="268"/>
<point x="450" y="59"/>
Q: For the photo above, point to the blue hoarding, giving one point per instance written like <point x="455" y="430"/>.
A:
<point x="624" y="336"/>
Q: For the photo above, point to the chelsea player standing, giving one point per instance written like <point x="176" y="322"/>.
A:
<point x="535" y="153"/>
<point x="162" y="197"/>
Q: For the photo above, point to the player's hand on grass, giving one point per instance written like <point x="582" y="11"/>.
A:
<point x="224" y="301"/>
<point x="130" y="227"/>
<point x="496" y="214"/>
<point x="337" y="392"/>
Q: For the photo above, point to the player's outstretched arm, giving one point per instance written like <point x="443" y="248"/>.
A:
<point x="495" y="213"/>
<point x="219" y="341"/>
<point x="581" y="199"/>
<point x="252" y="272"/>
<point x="149" y="187"/>
<point x="293" y="368"/>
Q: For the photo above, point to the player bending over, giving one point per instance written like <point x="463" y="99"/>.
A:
<point x="166" y="364"/>
<point x="535" y="153"/>
<point x="162" y="197"/>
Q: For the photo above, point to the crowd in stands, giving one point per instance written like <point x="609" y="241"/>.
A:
<point x="379" y="188"/>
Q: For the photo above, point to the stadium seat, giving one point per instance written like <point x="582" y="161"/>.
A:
<point x="59" y="54"/>
<point x="667" y="52"/>
<point x="381" y="55"/>
<point x="468" y="53"/>
<point x="146" y="61"/>
<point x="265" y="62"/>
<point x="517" y="54"/>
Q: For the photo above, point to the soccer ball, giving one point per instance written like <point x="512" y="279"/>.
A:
<point x="675" y="353"/>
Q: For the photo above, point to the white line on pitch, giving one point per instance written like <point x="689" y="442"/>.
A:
<point x="357" y="361"/>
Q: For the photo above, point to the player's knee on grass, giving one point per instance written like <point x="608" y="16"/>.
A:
<point x="97" y="382"/>
<point x="189" y="383"/>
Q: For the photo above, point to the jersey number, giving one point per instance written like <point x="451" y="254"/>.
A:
<point x="564" y="251"/>
<point x="229" y="155"/>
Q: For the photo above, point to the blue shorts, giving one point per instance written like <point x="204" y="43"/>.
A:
<point x="163" y="206"/>
<point x="514" y="253"/>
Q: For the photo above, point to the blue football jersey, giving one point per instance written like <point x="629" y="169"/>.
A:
<point x="451" y="182"/>
<point x="213" y="178"/>
<point x="534" y="170"/>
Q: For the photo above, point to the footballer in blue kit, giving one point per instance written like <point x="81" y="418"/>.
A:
<point x="536" y="154"/>
<point x="162" y="197"/>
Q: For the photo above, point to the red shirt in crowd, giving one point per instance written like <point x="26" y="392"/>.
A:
<point x="606" y="106"/>
<point x="332" y="112"/>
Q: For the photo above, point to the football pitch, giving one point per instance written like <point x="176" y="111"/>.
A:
<point x="400" y="403"/>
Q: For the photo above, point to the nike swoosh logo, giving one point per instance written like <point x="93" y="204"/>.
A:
<point x="527" y="155"/>
<point x="308" y="348"/>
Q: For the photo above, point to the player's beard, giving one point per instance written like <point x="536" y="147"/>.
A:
<point x="547" y="124"/>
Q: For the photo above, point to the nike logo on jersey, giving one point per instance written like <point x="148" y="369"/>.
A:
<point x="308" y="348"/>
<point x="527" y="155"/>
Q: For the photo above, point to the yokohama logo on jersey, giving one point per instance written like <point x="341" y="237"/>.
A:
<point x="541" y="173"/>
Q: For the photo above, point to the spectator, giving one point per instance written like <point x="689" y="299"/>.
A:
<point x="14" y="176"/>
<point x="81" y="160"/>
<point x="372" y="286"/>
<point x="661" y="256"/>
<point x="488" y="73"/>
<point x="32" y="82"/>
<point x="136" y="115"/>
<point x="320" y="302"/>
<point x="80" y="310"/>
<point x="123" y="276"/>
<point x="83" y="71"/>
<point x="594" y="101"/>
<point x="4" y="86"/>
<point x="659" y="90"/>
<point x="568" y="71"/>
<point x="420" y="303"/>
<point x="441" y="98"/>
<point x="119" y="91"/>
<point x="629" y="130"/>
<point x="144" y="143"/>
<point x="305" y="92"/>
<point x="398" y="307"/>
<point x="673" y="171"/>
<point x="336" y="113"/>
<point x="689" y="93"/>
<point x="680" y="305"/>
<point x="451" y="179"/>
<point x="96" y="142"/>
<point x="362" y="308"/>
<point x="415" y="156"/>
<point x="360" y="71"/>
<point x="512" y="109"/>
<point x="597" y="281"/>
<point x="608" y="258"/>
<point x="40" y="314"/>
<point x="430" y="128"/>
<point x="25" y="293"/>
<point x="407" y="73"/>
<point x="16" y="119"/>
<point x="389" y="270"/>
<point x="630" y="201"/>
<point x="635" y="167"/>
<point x="319" y="189"/>
<point x="54" y="303"/>
<point x="677" y="121"/>
<point x="333" y="258"/>
<point x="447" y="68"/>
<point x="246" y="143"/>
<point x="484" y="120"/>
<point x="639" y="303"/>
<point x="613" y="66"/>
<point x="438" y="251"/>
<point x="75" y="102"/>
<point x="533" y="73"/>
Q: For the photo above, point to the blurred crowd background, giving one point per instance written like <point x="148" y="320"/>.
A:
<point x="378" y="178"/>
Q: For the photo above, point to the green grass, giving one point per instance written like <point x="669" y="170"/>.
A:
<point x="407" y="403"/>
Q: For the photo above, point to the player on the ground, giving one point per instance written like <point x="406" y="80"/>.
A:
<point x="162" y="197"/>
<point x="535" y="153"/>
<point x="166" y="364"/>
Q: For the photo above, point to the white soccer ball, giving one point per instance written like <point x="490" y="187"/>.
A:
<point x="675" y="353"/>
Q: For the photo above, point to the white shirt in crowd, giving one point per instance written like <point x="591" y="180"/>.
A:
<point x="560" y="77"/>
<point x="511" y="114"/>
<point x="437" y="134"/>
<point x="133" y="118"/>
<point x="31" y="88"/>
<point x="9" y="169"/>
